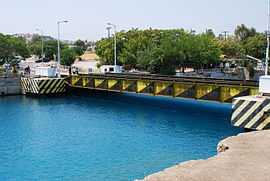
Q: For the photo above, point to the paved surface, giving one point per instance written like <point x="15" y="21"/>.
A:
<point x="89" y="60"/>
<point x="240" y="158"/>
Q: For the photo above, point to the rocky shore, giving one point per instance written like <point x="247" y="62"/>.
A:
<point x="239" y="158"/>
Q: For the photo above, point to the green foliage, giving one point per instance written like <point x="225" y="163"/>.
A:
<point x="2" y="62"/>
<point x="255" y="46"/>
<point x="159" y="51"/>
<point x="12" y="46"/>
<point x="231" y="47"/>
<point x="80" y="43"/>
<point x="79" y="50"/>
<point x="150" y="59"/>
<point x="210" y="32"/>
<point x="68" y="56"/>
<point x="50" y="47"/>
<point x="251" y="69"/>
<point x="162" y="51"/>
<point x="242" y="32"/>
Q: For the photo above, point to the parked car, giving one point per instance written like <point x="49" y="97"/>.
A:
<point x="44" y="60"/>
<point x="16" y="59"/>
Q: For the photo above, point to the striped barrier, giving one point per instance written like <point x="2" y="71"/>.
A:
<point x="251" y="112"/>
<point x="42" y="85"/>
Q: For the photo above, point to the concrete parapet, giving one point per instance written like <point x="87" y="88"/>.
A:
<point x="10" y="86"/>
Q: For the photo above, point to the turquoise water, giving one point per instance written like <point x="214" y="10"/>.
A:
<point x="105" y="136"/>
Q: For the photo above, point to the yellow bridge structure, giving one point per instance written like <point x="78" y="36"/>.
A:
<point x="248" y="112"/>
<point x="207" y="89"/>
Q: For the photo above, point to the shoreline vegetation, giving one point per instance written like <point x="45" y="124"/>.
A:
<point x="157" y="51"/>
<point x="160" y="51"/>
<point x="240" y="158"/>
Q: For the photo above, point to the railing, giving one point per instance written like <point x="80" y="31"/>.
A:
<point x="156" y="77"/>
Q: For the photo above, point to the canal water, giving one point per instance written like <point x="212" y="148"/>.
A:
<point x="105" y="136"/>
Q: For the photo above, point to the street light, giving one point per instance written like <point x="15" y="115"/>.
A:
<point x="114" y="45"/>
<point x="42" y="42"/>
<point x="59" y="75"/>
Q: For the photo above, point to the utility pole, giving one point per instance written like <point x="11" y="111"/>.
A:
<point x="225" y="34"/>
<point x="108" y="28"/>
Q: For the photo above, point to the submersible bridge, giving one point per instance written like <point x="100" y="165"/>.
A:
<point x="249" y="111"/>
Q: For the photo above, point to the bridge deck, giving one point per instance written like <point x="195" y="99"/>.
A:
<point x="209" y="89"/>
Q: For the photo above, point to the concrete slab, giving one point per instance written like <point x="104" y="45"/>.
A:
<point x="240" y="158"/>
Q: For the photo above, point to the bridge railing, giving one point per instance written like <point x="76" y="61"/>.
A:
<point x="240" y="82"/>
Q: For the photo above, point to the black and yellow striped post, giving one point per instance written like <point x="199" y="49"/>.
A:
<point x="251" y="112"/>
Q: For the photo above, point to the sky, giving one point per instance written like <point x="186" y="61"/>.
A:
<point x="88" y="18"/>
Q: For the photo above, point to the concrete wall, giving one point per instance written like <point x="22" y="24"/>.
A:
<point x="9" y="86"/>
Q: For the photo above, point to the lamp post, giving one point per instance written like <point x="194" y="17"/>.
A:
<point x="42" y="42"/>
<point x="59" y="75"/>
<point x="114" y="45"/>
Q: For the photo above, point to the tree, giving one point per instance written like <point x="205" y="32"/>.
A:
<point x="79" y="50"/>
<point x="50" y="47"/>
<point x="68" y="56"/>
<point x="210" y="32"/>
<point x="159" y="51"/>
<point x="242" y="32"/>
<point x="105" y="50"/>
<point x="255" y="46"/>
<point x="12" y="46"/>
<point x="150" y="59"/>
<point x="80" y="43"/>
<point x="231" y="47"/>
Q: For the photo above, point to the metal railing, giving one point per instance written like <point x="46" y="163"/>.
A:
<point x="172" y="78"/>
